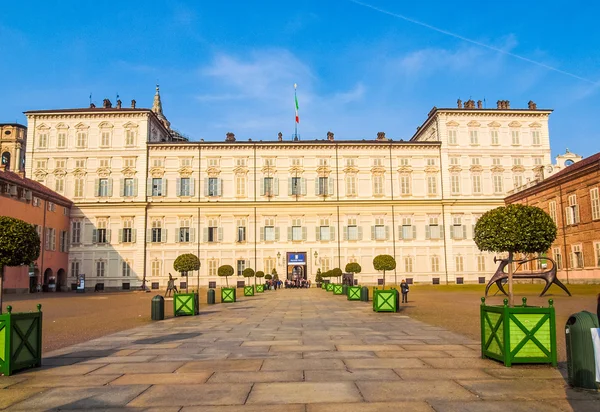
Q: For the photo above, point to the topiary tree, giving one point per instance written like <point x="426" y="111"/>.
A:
<point x="188" y="262"/>
<point x="249" y="273"/>
<point x="274" y="274"/>
<point x="19" y="245"/>
<point x="225" y="271"/>
<point x="336" y="273"/>
<point x="319" y="277"/>
<point x="515" y="229"/>
<point x="384" y="262"/>
<point x="353" y="267"/>
<point x="268" y="277"/>
<point x="260" y="274"/>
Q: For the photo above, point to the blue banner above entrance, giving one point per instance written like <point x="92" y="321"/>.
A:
<point x="294" y="258"/>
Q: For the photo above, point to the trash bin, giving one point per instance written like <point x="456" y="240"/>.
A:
<point x="345" y="290"/>
<point x="581" y="368"/>
<point x="158" y="308"/>
<point x="364" y="294"/>
<point x="210" y="297"/>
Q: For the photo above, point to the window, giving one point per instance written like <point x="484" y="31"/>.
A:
<point x="433" y="230"/>
<point x="431" y="185"/>
<point x="100" y="268"/>
<point x="157" y="189"/>
<point x="213" y="231"/>
<point x="405" y="184"/>
<point x="184" y="231"/>
<point x="378" y="185"/>
<point x="78" y="190"/>
<point x="407" y="230"/>
<point x="537" y="161"/>
<point x="496" y="161"/>
<point x="125" y="269"/>
<point x="474" y="138"/>
<point x="494" y="137"/>
<point x="76" y="232"/>
<point x="572" y="210"/>
<point x="269" y="265"/>
<point x="296" y="162"/>
<point x="515" y="137"/>
<point x="595" y="200"/>
<point x="130" y="137"/>
<point x="212" y="267"/>
<point x="51" y="206"/>
<point x="378" y="162"/>
<point x="351" y="162"/>
<point x="517" y="161"/>
<point x="156" y="232"/>
<point x="435" y="264"/>
<point x="517" y="181"/>
<point x="481" y="263"/>
<point x="297" y="230"/>
<point x="455" y="184"/>
<point x="459" y="261"/>
<point x="38" y="230"/>
<point x="129" y="187"/>
<point x="102" y="188"/>
<point x="81" y="139"/>
<point x="104" y="163"/>
<point x="155" y="268"/>
<point x="296" y="186"/>
<point x="241" y="230"/>
<point x="105" y="138"/>
<point x="404" y="161"/>
<point x="552" y="210"/>
<point x="477" y="184"/>
<point x="458" y="229"/>
<point x="475" y="161"/>
<point x="322" y="184"/>
<point x="43" y="140"/>
<point x="100" y="234"/>
<point x="60" y="164"/>
<point x="325" y="264"/>
<point x="498" y="186"/>
<point x="379" y="230"/>
<point x="241" y="265"/>
<point x="269" y="162"/>
<point x="240" y="185"/>
<point x="240" y="162"/>
<point x="74" y="268"/>
<point x="41" y="164"/>
<point x="59" y="184"/>
<point x="323" y="162"/>
<point x="324" y="231"/>
<point x="353" y="230"/>
<point x="61" y="140"/>
<point x="408" y="264"/>
<point x="557" y="258"/>
<point x="268" y="186"/>
<point x="430" y="162"/>
<point x="185" y="162"/>
<point x="127" y="231"/>
<point x="577" y="257"/>
<point x="535" y="138"/>
<point x="597" y="248"/>
<point x="79" y="163"/>
<point x="213" y="162"/>
<point x="63" y="241"/>
<point x="213" y="186"/>
<point x="269" y="234"/>
<point x="454" y="161"/>
<point x="157" y="162"/>
<point x="185" y="186"/>
<point x="452" y="137"/>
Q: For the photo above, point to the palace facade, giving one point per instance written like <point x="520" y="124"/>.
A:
<point x="143" y="194"/>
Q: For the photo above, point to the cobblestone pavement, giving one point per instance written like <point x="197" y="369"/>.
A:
<point x="289" y="350"/>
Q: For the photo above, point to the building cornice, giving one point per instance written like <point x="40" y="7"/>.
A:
<point x="319" y="145"/>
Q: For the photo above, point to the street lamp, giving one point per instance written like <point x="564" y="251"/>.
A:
<point x="278" y="258"/>
<point x="316" y="256"/>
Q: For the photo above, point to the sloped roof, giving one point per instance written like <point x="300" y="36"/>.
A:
<point x="34" y="186"/>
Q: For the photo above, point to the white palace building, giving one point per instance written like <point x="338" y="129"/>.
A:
<point x="143" y="194"/>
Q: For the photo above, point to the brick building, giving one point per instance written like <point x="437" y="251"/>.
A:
<point x="33" y="203"/>
<point x="571" y="197"/>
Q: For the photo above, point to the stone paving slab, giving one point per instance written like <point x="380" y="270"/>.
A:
<point x="292" y="351"/>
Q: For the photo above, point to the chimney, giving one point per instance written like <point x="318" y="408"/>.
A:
<point x="92" y="106"/>
<point x="119" y="104"/>
<point x="479" y="104"/>
<point x="459" y="104"/>
<point x="230" y="137"/>
<point x="381" y="137"/>
<point x="106" y="104"/>
<point x="531" y="105"/>
<point x="133" y="102"/>
<point x="330" y="136"/>
<point x="470" y="104"/>
<point x="503" y="104"/>
<point x="279" y="137"/>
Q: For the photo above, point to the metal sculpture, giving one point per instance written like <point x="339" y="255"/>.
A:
<point x="546" y="274"/>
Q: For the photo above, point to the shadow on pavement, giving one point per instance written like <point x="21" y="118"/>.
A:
<point x="167" y="338"/>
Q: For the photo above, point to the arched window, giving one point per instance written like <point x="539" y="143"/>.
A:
<point x="6" y="160"/>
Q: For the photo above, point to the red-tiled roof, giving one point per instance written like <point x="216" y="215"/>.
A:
<point x="34" y="186"/>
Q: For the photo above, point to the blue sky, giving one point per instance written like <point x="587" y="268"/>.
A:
<point x="231" y="66"/>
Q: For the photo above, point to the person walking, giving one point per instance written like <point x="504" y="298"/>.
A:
<point x="171" y="285"/>
<point x="404" y="290"/>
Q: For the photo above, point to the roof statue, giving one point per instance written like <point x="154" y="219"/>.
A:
<point x="157" y="108"/>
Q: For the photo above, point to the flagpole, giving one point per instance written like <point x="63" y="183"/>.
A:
<point x="296" y="113"/>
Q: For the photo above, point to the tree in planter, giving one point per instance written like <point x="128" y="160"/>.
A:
<point x="319" y="278"/>
<point x="384" y="262"/>
<point x="515" y="229"/>
<point x="353" y="267"/>
<point x="249" y="273"/>
<point x="259" y="274"/>
<point x="19" y="245"/>
<point x="225" y="271"/>
<point x="336" y="273"/>
<point x="268" y="277"/>
<point x="188" y="262"/>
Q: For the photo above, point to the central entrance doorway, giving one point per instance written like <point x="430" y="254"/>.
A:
<point x="296" y="266"/>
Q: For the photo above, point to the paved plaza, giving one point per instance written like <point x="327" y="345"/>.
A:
<point x="289" y="350"/>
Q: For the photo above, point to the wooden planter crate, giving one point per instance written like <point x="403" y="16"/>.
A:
<point x="521" y="334"/>
<point x="324" y="285"/>
<point x="20" y="340"/>
<point x="354" y="292"/>
<point x="329" y="287"/>
<point x="186" y="304"/>
<point x="338" y="290"/>
<point x="227" y="295"/>
<point x="385" y="300"/>
<point x="248" y="290"/>
<point x="260" y="288"/>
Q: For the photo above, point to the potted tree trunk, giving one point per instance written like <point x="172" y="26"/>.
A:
<point x="385" y="300"/>
<point x="186" y="303"/>
<point x="248" y="289"/>
<point x="21" y="333"/>
<point x="260" y="287"/>
<point x="227" y="293"/>
<point x="523" y="334"/>
<point x="353" y="291"/>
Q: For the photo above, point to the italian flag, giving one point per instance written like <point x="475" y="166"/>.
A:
<point x="297" y="107"/>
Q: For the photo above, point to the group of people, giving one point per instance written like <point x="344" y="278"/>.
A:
<point x="273" y="284"/>
<point x="298" y="284"/>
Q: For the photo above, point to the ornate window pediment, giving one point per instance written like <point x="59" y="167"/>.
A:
<point x="378" y="170"/>
<point x="79" y="172"/>
<point x="514" y="124"/>
<point x="40" y="174"/>
<point x="405" y="170"/>
<point x="130" y="125"/>
<point x="185" y="171"/>
<point x="350" y="169"/>
<point x="535" y="124"/>
<point x="62" y="126"/>
<point x="43" y="127"/>
<point x="452" y="123"/>
<point x="473" y="123"/>
<point x="476" y="168"/>
<point x="494" y="124"/>
<point x="60" y="172"/>
<point x="105" y="125"/>
<point x="81" y="126"/>
<point x="497" y="169"/>
<point x="128" y="172"/>
<point x="455" y="169"/>
<point x="296" y="170"/>
<point x="323" y="170"/>
<point x="157" y="172"/>
<point x="103" y="172"/>
<point x="518" y="168"/>
<point x="213" y="171"/>
<point x="240" y="170"/>
<point x="431" y="169"/>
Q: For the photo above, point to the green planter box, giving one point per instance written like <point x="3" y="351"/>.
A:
<point x="521" y="334"/>
<point x="324" y="286"/>
<point x="186" y="304"/>
<point x="338" y="290"/>
<point x="20" y="340"/>
<point x="260" y="288"/>
<point x="354" y="292"/>
<point x="329" y="287"/>
<point x="227" y="295"/>
<point x="385" y="300"/>
<point x="248" y="290"/>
